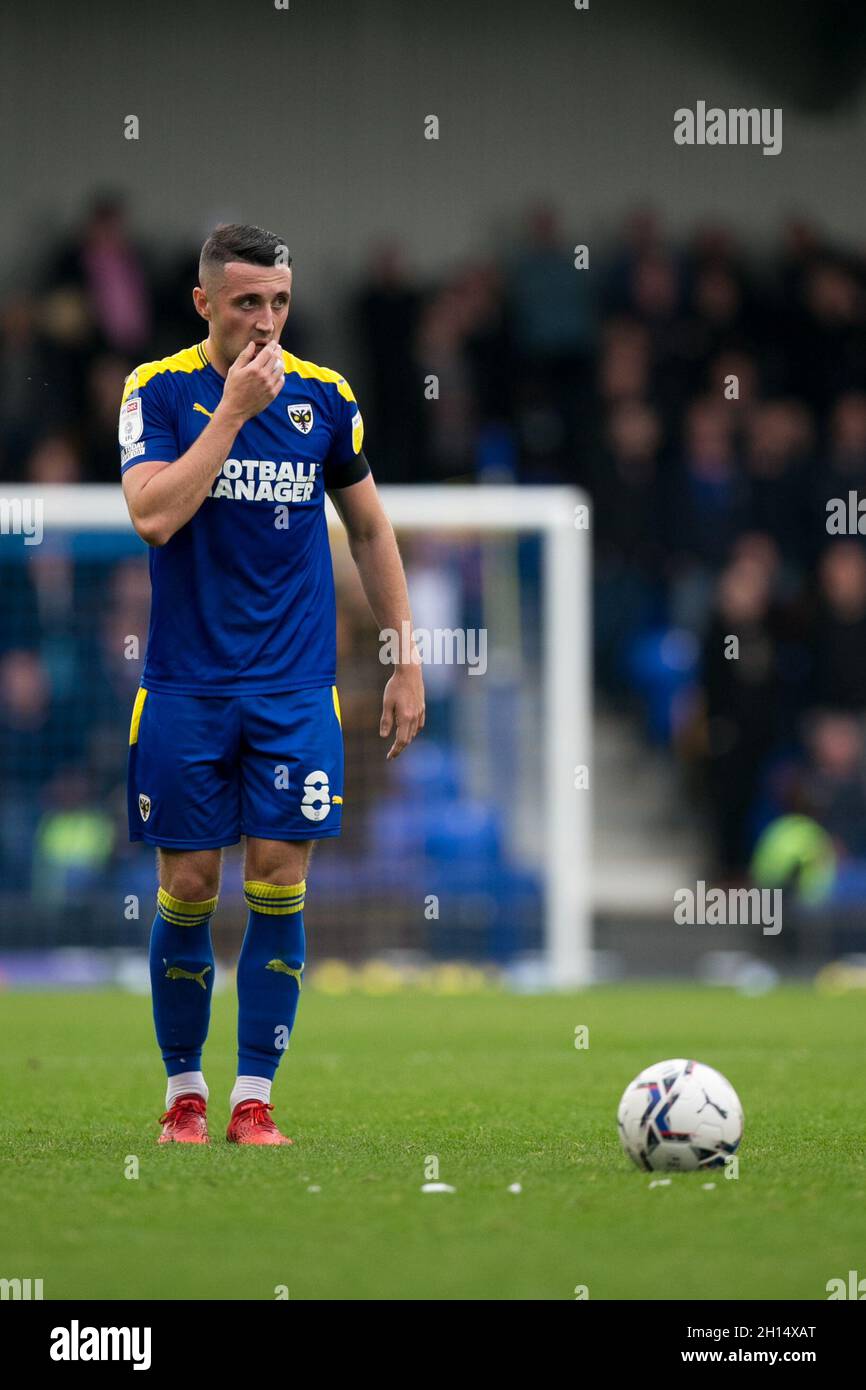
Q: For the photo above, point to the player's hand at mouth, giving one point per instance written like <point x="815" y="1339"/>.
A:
<point x="403" y="706"/>
<point x="254" y="379"/>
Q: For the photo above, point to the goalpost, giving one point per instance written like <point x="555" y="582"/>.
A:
<point x="551" y="513"/>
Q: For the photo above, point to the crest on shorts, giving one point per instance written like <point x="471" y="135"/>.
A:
<point x="301" y="416"/>
<point x="144" y="805"/>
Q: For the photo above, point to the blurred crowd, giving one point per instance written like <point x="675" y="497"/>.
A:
<point x="710" y="398"/>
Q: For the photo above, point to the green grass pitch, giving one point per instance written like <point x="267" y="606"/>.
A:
<point x="491" y="1084"/>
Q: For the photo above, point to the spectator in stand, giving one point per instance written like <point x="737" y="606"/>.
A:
<point x="839" y="633"/>
<point x="451" y="412"/>
<point x="655" y="299"/>
<point x="777" y="457"/>
<point x="552" y="308"/>
<point x="54" y="460"/>
<point x="740" y="690"/>
<point x="105" y="381"/>
<point x="105" y="266"/>
<point x="834" y="784"/>
<point x="828" y="343"/>
<point x="802" y="246"/>
<point x="624" y="362"/>
<point x="73" y="840"/>
<point x="715" y="322"/>
<point x="115" y="659"/>
<point x="36" y="393"/>
<point x="631" y="526"/>
<point x="844" y="469"/>
<point x="489" y="342"/>
<point x="707" y="502"/>
<point x="35" y="738"/>
<point x="630" y="535"/>
<point x="387" y="312"/>
<point x="641" y="236"/>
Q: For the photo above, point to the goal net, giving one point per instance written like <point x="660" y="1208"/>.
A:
<point x="472" y="846"/>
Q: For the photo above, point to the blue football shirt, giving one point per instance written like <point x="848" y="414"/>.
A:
<point x="243" y="594"/>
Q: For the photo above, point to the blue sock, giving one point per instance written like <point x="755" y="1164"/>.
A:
<point x="270" y="966"/>
<point x="181" y="979"/>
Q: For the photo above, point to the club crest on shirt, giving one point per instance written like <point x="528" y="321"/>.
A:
<point x="301" y="416"/>
<point x="144" y="805"/>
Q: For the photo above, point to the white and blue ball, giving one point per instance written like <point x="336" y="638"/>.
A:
<point x="680" y="1116"/>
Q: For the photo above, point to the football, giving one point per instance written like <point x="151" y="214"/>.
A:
<point x="679" y="1116"/>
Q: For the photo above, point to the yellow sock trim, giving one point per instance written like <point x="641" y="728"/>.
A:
<point x="275" y="899"/>
<point x="182" y="914"/>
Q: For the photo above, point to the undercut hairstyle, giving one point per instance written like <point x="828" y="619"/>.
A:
<point x="235" y="241"/>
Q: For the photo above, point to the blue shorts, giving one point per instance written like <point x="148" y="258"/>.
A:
<point x="206" y="769"/>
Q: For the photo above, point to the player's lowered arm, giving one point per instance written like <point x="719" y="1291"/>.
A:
<point x="374" y="549"/>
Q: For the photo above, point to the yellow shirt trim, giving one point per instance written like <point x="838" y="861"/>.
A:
<point x="187" y="360"/>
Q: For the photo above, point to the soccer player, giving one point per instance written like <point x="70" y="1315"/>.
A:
<point x="227" y="451"/>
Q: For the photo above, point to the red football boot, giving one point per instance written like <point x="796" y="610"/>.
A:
<point x="251" y="1124"/>
<point x="185" y="1121"/>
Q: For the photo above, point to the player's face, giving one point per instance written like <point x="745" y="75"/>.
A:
<point x="249" y="305"/>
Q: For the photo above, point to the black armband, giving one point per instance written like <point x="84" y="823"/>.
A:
<point x="339" y="475"/>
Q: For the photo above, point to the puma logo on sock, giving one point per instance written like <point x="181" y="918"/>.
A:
<point x="177" y="972"/>
<point x="283" y="969"/>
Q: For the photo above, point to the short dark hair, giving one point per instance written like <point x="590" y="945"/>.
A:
<point x="235" y="241"/>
